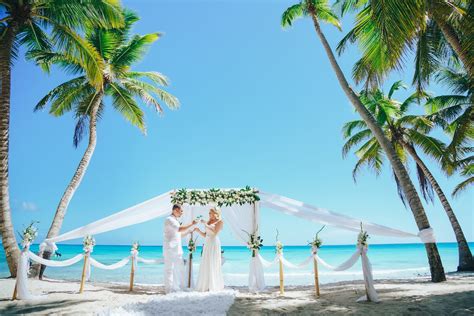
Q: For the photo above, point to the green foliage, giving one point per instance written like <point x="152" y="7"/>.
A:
<point x="318" y="9"/>
<point x="102" y="61"/>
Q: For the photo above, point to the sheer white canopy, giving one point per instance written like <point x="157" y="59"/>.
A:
<point x="241" y="219"/>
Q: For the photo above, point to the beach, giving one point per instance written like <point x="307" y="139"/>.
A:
<point x="397" y="297"/>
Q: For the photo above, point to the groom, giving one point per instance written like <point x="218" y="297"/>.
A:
<point x="173" y="250"/>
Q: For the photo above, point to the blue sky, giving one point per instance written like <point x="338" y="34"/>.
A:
<point x="260" y="107"/>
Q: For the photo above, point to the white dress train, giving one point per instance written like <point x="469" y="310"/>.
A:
<point x="210" y="271"/>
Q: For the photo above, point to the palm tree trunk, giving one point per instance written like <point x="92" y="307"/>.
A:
<point x="436" y="266"/>
<point x="76" y="179"/>
<point x="453" y="40"/>
<point x="9" y="242"/>
<point x="466" y="261"/>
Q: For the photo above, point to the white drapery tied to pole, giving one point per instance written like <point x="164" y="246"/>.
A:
<point x="427" y="235"/>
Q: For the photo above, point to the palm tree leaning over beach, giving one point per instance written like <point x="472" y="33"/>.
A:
<point x="407" y="133"/>
<point x="319" y="10"/>
<point x="389" y="31"/>
<point x="24" y="23"/>
<point x="114" y="51"/>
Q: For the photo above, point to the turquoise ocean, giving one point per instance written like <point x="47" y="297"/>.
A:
<point x="388" y="261"/>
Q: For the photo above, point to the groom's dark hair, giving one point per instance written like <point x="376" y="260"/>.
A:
<point x="176" y="207"/>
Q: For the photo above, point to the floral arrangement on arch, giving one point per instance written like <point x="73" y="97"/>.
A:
<point x="254" y="243"/>
<point x="316" y="242"/>
<point x="362" y="239"/>
<point x="88" y="243"/>
<point x="221" y="197"/>
<point x="29" y="234"/>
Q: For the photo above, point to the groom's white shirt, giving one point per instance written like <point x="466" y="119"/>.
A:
<point x="172" y="245"/>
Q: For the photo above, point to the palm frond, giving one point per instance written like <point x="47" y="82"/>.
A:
<point x="133" y="51"/>
<point x="350" y="126"/>
<point x="429" y="145"/>
<point x="354" y="140"/>
<point x="59" y="90"/>
<point x="123" y="102"/>
<point x="292" y="13"/>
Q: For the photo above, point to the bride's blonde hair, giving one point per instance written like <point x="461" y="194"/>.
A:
<point x="217" y="212"/>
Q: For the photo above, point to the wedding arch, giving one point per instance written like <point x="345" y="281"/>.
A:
<point x="241" y="212"/>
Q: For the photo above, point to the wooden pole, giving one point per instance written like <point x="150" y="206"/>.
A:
<point x="190" y="268"/>
<point x="282" y="287"/>
<point x="132" y="274"/>
<point x="15" y="291"/>
<point x="316" y="276"/>
<point x="83" y="279"/>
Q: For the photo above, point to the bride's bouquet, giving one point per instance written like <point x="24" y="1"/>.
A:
<point x="88" y="243"/>
<point x="29" y="234"/>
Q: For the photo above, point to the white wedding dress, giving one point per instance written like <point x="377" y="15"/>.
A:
<point x="210" y="271"/>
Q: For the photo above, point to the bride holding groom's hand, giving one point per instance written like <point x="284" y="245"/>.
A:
<point x="210" y="271"/>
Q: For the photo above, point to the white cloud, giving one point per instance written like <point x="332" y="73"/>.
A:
<point x="29" y="206"/>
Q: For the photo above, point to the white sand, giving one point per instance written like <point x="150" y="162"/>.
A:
<point x="417" y="296"/>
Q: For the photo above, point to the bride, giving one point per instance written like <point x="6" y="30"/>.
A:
<point x="210" y="271"/>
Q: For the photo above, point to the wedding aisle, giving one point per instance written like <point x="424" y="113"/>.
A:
<point x="397" y="296"/>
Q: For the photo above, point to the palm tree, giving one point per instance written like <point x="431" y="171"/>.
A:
<point x="319" y="10"/>
<point x="23" y="23"/>
<point x="114" y="51"/>
<point x="455" y="114"/>
<point x="407" y="133"/>
<point x="468" y="172"/>
<point x="388" y="30"/>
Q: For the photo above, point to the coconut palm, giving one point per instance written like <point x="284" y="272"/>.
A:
<point x="115" y="51"/>
<point x="455" y="114"/>
<point x="468" y="172"/>
<point x="24" y="24"/>
<point x="407" y="133"/>
<point x="388" y="30"/>
<point x="319" y="10"/>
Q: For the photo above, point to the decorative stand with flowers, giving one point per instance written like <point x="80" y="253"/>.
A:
<point x="363" y="244"/>
<point x="88" y="247"/>
<point x="279" y="251"/>
<point x="191" y="249"/>
<point x="27" y="236"/>
<point x="315" y="245"/>
<point x="133" y="255"/>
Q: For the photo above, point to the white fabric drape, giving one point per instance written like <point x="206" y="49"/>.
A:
<point x="113" y="266"/>
<point x="242" y="219"/>
<point x="368" y="278"/>
<point x="323" y="216"/>
<point x="55" y="263"/>
<point x="145" y="211"/>
<point x="22" y="291"/>
<point x="150" y="261"/>
<point x="290" y="265"/>
<point x="343" y="266"/>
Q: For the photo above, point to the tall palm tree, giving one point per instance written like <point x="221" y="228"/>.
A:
<point x="455" y="114"/>
<point x="407" y="133"/>
<point x="319" y="10"/>
<point x="115" y="51"/>
<point x="388" y="30"/>
<point x="24" y="23"/>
